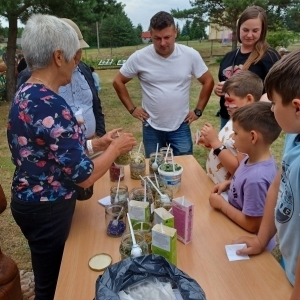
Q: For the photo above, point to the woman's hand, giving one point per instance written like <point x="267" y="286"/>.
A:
<point x="219" y="89"/>
<point x="102" y="143"/>
<point x="124" y="143"/>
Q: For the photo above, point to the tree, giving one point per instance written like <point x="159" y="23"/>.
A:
<point x="81" y="12"/>
<point x="117" y="30"/>
<point x="281" y="38"/>
<point x="226" y="12"/>
<point x="139" y="30"/>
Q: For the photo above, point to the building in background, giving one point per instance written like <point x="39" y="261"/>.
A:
<point x="146" y="37"/>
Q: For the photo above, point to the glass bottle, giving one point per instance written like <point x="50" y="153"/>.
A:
<point x="115" y="220"/>
<point x="163" y="150"/>
<point x="157" y="200"/>
<point x="115" y="171"/>
<point x="126" y="244"/>
<point x="137" y="165"/>
<point x="144" y="228"/>
<point x="122" y="196"/>
<point x="159" y="160"/>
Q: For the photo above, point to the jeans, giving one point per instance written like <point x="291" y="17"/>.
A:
<point x="180" y="139"/>
<point x="223" y="122"/>
<point x="46" y="226"/>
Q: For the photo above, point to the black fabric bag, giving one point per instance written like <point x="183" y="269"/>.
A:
<point x="131" y="270"/>
<point x="84" y="194"/>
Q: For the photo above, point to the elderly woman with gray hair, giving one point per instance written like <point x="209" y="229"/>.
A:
<point x="49" y="149"/>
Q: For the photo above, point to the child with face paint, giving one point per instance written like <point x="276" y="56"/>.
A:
<point x="240" y="90"/>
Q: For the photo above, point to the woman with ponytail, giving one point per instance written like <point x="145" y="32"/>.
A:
<point x="254" y="53"/>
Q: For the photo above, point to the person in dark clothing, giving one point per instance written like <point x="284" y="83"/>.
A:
<point x="22" y="65"/>
<point x="254" y="54"/>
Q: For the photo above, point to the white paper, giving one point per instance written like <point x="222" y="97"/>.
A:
<point x="231" y="252"/>
<point x="225" y="195"/>
<point x="105" y="201"/>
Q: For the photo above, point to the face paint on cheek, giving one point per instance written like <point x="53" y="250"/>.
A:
<point x="231" y="106"/>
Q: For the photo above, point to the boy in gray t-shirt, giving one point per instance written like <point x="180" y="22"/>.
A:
<point x="255" y="129"/>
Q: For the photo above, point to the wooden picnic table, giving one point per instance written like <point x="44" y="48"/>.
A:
<point x="204" y="259"/>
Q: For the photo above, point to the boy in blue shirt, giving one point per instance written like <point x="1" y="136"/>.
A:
<point x="283" y="89"/>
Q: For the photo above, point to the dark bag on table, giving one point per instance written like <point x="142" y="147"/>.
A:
<point x="84" y="194"/>
<point x="121" y="275"/>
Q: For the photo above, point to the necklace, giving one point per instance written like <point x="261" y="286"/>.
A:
<point x="38" y="80"/>
<point x="47" y="86"/>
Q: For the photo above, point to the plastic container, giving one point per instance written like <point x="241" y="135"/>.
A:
<point x="114" y="227"/>
<point x="159" y="160"/>
<point x="126" y="244"/>
<point x="170" y="178"/>
<point x="115" y="171"/>
<point x="137" y="165"/>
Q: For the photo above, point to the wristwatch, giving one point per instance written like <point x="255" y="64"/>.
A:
<point x="198" y="112"/>
<point x="217" y="151"/>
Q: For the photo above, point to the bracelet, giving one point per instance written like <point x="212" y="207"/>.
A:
<point x="89" y="147"/>
<point x="132" y="110"/>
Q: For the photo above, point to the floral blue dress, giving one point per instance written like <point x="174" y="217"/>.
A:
<point x="47" y="146"/>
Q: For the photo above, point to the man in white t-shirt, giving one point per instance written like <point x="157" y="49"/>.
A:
<point x="165" y="71"/>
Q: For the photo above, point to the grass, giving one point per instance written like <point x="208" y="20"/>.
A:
<point x="12" y="241"/>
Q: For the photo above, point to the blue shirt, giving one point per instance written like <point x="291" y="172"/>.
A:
<point x="47" y="146"/>
<point x="78" y="95"/>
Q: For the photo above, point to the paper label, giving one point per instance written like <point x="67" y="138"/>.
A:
<point x="137" y="213"/>
<point x="161" y="240"/>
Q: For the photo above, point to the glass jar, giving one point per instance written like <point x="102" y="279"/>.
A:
<point x="138" y="194"/>
<point x="126" y="244"/>
<point x="123" y="159"/>
<point x="151" y="187"/>
<point x="144" y="228"/>
<point x="115" y="172"/>
<point x="122" y="196"/>
<point x="159" y="161"/>
<point x="157" y="200"/>
<point x="137" y="165"/>
<point x="115" y="220"/>
<point x="163" y="150"/>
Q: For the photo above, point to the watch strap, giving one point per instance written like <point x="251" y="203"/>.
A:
<point x="217" y="151"/>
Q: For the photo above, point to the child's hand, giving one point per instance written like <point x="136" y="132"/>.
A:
<point x="253" y="245"/>
<point x="211" y="135"/>
<point x="201" y="140"/>
<point x="217" y="201"/>
<point x="221" y="187"/>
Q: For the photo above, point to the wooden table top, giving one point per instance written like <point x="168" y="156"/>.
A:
<point x="204" y="259"/>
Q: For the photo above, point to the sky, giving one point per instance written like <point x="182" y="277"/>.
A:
<point x="141" y="11"/>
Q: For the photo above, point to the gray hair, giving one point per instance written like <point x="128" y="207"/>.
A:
<point x="42" y="35"/>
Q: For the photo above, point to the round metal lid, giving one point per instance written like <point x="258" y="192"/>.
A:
<point x="100" y="262"/>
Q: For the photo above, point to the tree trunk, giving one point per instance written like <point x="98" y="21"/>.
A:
<point x="234" y="35"/>
<point x="11" y="61"/>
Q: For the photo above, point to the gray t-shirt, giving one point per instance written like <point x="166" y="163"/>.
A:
<point x="287" y="211"/>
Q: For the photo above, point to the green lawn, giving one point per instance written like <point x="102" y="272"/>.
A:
<point x="11" y="239"/>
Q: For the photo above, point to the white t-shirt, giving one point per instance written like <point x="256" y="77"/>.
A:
<point x="165" y="83"/>
<point x="214" y="168"/>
